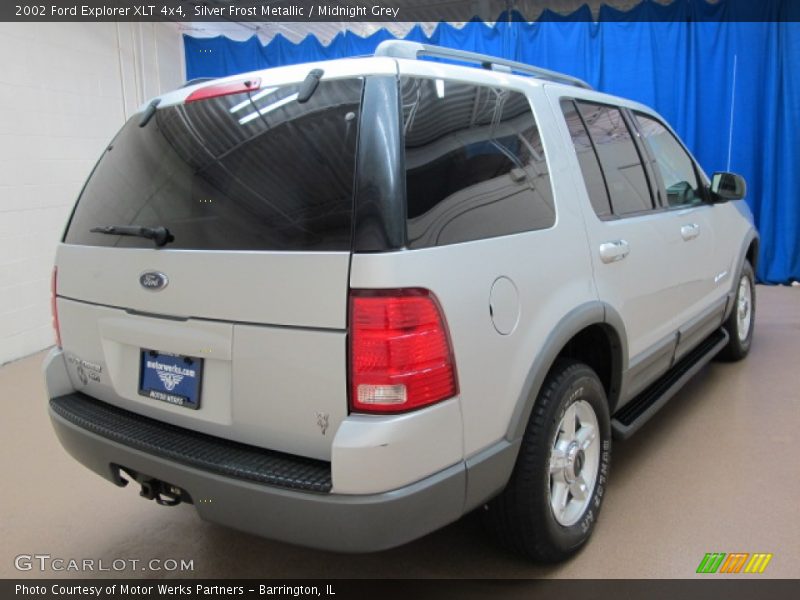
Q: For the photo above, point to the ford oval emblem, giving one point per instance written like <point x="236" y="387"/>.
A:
<point x="153" y="281"/>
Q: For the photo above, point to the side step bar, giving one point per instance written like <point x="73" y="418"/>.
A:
<point x="638" y="411"/>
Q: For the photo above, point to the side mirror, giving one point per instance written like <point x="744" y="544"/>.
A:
<point x="728" y="186"/>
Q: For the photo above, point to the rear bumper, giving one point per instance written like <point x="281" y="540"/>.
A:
<point x="285" y="497"/>
<point x="346" y="523"/>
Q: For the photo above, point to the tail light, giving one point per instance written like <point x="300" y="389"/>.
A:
<point x="400" y="353"/>
<point x="53" y="306"/>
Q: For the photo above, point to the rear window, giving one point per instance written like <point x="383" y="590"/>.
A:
<point x="251" y="171"/>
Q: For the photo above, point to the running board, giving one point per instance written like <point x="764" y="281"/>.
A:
<point x="638" y="411"/>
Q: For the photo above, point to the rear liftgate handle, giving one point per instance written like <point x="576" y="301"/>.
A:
<point x="614" y="251"/>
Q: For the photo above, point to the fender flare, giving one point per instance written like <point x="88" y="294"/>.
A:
<point x="488" y="471"/>
<point x="752" y="235"/>
<point x="591" y="313"/>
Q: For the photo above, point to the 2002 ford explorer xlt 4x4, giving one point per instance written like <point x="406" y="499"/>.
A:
<point x="343" y="304"/>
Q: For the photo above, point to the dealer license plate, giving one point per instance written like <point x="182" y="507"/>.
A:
<point x="171" y="378"/>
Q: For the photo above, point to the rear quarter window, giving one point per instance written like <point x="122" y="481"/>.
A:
<point x="475" y="165"/>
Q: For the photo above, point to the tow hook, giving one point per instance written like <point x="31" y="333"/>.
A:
<point x="163" y="493"/>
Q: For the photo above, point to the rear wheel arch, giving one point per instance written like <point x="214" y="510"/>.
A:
<point x="490" y="471"/>
<point x="574" y="337"/>
<point x="599" y="346"/>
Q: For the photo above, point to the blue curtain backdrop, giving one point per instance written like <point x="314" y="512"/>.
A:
<point x="726" y="76"/>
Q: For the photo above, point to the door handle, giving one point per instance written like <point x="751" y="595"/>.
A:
<point x="613" y="251"/>
<point x="690" y="231"/>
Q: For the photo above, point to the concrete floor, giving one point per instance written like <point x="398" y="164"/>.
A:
<point x="717" y="470"/>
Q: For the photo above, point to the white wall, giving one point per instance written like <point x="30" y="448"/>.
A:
<point x="65" y="89"/>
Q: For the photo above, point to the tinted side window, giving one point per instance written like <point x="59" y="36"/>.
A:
<point x="622" y="167"/>
<point x="673" y="163"/>
<point x="587" y="157"/>
<point x="475" y="166"/>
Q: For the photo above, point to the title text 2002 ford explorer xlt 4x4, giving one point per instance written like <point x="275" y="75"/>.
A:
<point x="343" y="304"/>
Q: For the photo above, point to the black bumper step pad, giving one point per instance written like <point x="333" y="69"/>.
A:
<point x="194" y="449"/>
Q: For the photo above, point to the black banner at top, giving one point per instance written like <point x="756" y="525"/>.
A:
<point x="394" y="10"/>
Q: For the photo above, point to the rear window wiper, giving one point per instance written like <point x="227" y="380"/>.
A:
<point x="160" y="235"/>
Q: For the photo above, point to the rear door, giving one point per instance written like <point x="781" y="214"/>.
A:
<point x="632" y="239"/>
<point x="237" y="327"/>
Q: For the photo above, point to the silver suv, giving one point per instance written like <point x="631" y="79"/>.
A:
<point x="343" y="304"/>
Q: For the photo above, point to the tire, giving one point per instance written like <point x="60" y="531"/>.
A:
<point x="523" y="516"/>
<point x="741" y="321"/>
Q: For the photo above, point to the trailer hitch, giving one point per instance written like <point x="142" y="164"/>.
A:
<point x="162" y="492"/>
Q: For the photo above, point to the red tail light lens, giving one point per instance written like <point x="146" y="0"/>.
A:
<point x="53" y="306"/>
<point x="223" y="89"/>
<point x="400" y="353"/>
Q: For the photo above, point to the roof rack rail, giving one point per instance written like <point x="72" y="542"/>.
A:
<point x="413" y="50"/>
